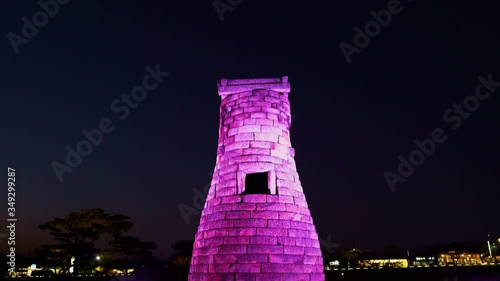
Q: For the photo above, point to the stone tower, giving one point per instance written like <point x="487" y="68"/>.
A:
<point x="255" y="224"/>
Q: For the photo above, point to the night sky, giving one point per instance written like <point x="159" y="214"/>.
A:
<point x="352" y="120"/>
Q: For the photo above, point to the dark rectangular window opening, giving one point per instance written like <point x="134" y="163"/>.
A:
<point x="256" y="184"/>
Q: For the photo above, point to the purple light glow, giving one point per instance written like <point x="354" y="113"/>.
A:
<point x="255" y="236"/>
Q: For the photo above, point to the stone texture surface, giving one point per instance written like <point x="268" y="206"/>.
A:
<point x="255" y="236"/>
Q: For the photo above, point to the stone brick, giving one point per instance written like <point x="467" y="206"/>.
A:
<point x="225" y="259"/>
<point x="215" y="233"/>
<point x="245" y="276"/>
<point x="270" y="206"/>
<point x="269" y="240"/>
<point x="293" y="250"/>
<point x="297" y="209"/>
<point x="250" y="223"/>
<point x="236" y="124"/>
<point x="243" y="116"/>
<point x="245" y="267"/>
<point x="306" y="242"/>
<point x="231" y="199"/>
<point x="271" y="116"/>
<point x="200" y="268"/>
<point x="272" y="231"/>
<point x="261" y="144"/>
<point x="249" y="129"/>
<point x="232" y="132"/>
<point x="216" y="216"/>
<point x="298" y="233"/>
<point x="236" y="240"/>
<point x="262" y="104"/>
<point x="272" y="100"/>
<point x="277" y="268"/>
<point x="202" y="259"/>
<point x="252" y="258"/>
<point x="300" y="202"/>
<point x="232" y="249"/>
<point x="296" y="277"/>
<point x="249" y="122"/>
<point x="255" y="198"/>
<point x="286" y="259"/>
<point x="238" y="145"/>
<point x="284" y="140"/>
<point x="317" y="277"/>
<point x="228" y="141"/>
<point x="255" y="98"/>
<point x="206" y="250"/>
<point x="272" y="137"/>
<point x="300" y="225"/>
<point x="271" y="129"/>
<point x="264" y="215"/>
<point x="271" y="110"/>
<point x="242" y="231"/>
<point x="228" y="169"/>
<point x="244" y="137"/>
<point x="226" y="191"/>
<point x="264" y="249"/>
<point x="264" y="121"/>
<point x="214" y="241"/>
<point x="280" y="199"/>
<point x="244" y="207"/>
<point x="247" y="158"/>
<point x="270" y="159"/>
<point x="218" y="267"/>
<point x="286" y="241"/>
<point x="230" y="120"/>
<point x="245" y="104"/>
<point x="313" y="252"/>
<point x="252" y="109"/>
<point x="313" y="259"/>
<point x="220" y="277"/>
<point x="269" y="277"/>
<point x="278" y="224"/>
<point x="279" y="154"/>
<point x="238" y="215"/>
<point x="257" y="115"/>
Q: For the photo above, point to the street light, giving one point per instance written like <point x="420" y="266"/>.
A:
<point x="489" y="247"/>
<point x="98" y="257"/>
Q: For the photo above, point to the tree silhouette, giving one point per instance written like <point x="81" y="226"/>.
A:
<point x="136" y="252"/>
<point x="77" y="232"/>
<point x="178" y="264"/>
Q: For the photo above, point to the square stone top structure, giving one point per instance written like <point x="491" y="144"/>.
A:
<point x="255" y="224"/>
<point x="232" y="86"/>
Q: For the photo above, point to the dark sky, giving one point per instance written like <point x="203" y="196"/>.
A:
<point x="352" y="119"/>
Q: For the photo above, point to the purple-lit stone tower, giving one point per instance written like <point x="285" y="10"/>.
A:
<point x="255" y="224"/>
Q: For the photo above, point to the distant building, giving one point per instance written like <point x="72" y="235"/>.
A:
<point x="424" y="261"/>
<point x="460" y="258"/>
<point x="385" y="263"/>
